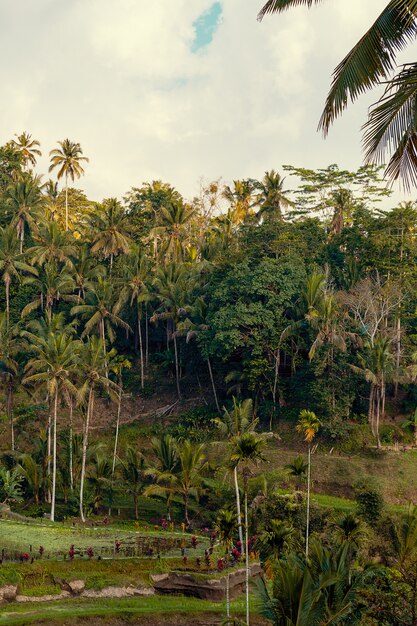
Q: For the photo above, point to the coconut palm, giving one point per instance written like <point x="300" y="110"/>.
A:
<point x="52" y="244"/>
<point x="67" y="158"/>
<point x="173" y="285"/>
<point x="109" y="230"/>
<point x="28" y="148"/>
<point x="85" y="271"/>
<point x="172" y="229"/>
<point x="10" y="346"/>
<point x="241" y="199"/>
<point x="54" y="363"/>
<point x="308" y="425"/>
<point x="98" y="312"/>
<point x="165" y="464"/>
<point x="134" y="290"/>
<point x="54" y="284"/>
<point x="233" y="423"/>
<point x="391" y="124"/>
<point x="377" y="366"/>
<point x="271" y="197"/>
<point x="23" y="200"/>
<point x="119" y="364"/>
<point x="31" y="470"/>
<point x="99" y="477"/>
<point x="93" y="374"/>
<point x="246" y="452"/>
<point x="132" y="469"/>
<point x="185" y="480"/>
<point x="194" y="325"/>
<point x="12" y="263"/>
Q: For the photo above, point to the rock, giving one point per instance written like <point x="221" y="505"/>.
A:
<point x="118" y="592"/>
<point x="48" y="598"/>
<point x="213" y="589"/>
<point x="76" y="586"/>
<point x="8" y="593"/>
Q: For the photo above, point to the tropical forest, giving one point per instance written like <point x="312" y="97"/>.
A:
<point x="208" y="404"/>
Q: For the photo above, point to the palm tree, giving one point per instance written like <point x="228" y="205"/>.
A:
<point x="31" y="470"/>
<point x="86" y="271"/>
<point x="193" y="326"/>
<point x="52" y="244"/>
<point x="240" y="419"/>
<point x="272" y="197"/>
<point x="377" y="366"/>
<point x="54" y="284"/>
<point x="68" y="160"/>
<point x="246" y="451"/>
<point x="118" y="365"/>
<point x="186" y="479"/>
<point x="391" y="124"/>
<point x="297" y="468"/>
<point x="93" y="374"/>
<point x="165" y="465"/>
<point x="241" y="199"/>
<point x="109" y="230"/>
<point x="12" y="263"/>
<point x="133" y="475"/>
<point x="98" y="477"/>
<point x="320" y="590"/>
<point x="308" y="425"/>
<point x="54" y="363"/>
<point x="135" y="291"/>
<point x="172" y="228"/>
<point x="173" y="285"/>
<point x="27" y="147"/>
<point x="10" y="346"/>
<point x="24" y="198"/>
<point x="278" y="537"/>
<point x="226" y="526"/>
<point x="98" y="311"/>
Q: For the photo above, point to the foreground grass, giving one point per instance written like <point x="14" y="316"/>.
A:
<point x="129" y="608"/>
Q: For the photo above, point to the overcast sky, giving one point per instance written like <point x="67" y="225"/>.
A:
<point x="178" y="89"/>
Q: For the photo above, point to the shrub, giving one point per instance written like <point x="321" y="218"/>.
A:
<point x="369" y="499"/>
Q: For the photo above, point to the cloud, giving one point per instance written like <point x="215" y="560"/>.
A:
<point x="123" y="79"/>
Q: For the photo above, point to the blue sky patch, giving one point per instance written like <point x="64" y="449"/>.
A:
<point x="205" y="26"/>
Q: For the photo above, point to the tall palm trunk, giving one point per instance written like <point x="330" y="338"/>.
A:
<point x="10" y="413"/>
<point x="246" y="554"/>
<point x="22" y="237"/>
<point x="48" y="495"/>
<point x="213" y="385"/>
<point x="227" y="595"/>
<point x="142" y="360"/>
<point x="71" y="436"/>
<point x="239" y="515"/>
<point x="308" y="499"/>
<point x="103" y="337"/>
<point x="7" y="286"/>
<point x="116" y="437"/>
<point x="177" y="372"/>
<point x="66" y="200"/>
<point x="54" y="458"/>
<point x="84" y="450"/>
<point x="146" y="339"/>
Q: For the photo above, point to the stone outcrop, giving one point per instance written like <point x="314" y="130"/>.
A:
<point x="8" y="593"/>
<point x="213" y="589"/>
<point x="118" y="592"/>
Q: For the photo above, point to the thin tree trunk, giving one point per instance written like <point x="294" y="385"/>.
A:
<point x="398" y="354"/>
<point x="146" y="339"/>
<point x="247" y="556"/>
<point x="176" y="367"/>
<point x="142" y="360"/>
<point x="116" y="437"/>
<point x="10" y="414"/>
<point x="49" y="451"/>
<point x="227" y="596"/>
<point x="66" y="200"/>
<point x="54" y="458"/>
<point x="213" y="385"/>
<point x="22" y="236"/>
<point x="71" y="469"/>
<point x="371" y="408"/>
<point x="135" y="497"/>
<point x="187" y="521"/>
<point x="378" y="411"/>
<point x="7" y="285"/>
<point x="239" y="515"/>
<point x="103" y="336"/>
<point x="84" y="452"/>
<point x="308" y="498"/>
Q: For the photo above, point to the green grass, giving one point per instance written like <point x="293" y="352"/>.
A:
<point x="27" y="613"/>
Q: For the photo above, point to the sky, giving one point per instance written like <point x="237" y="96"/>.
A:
<point x="179" y="90"/>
